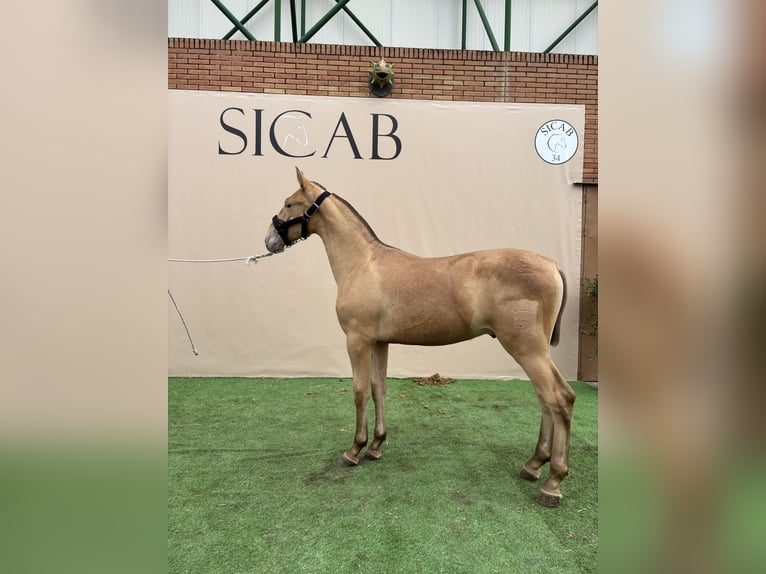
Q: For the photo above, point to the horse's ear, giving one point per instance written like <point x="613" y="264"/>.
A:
<point x="301" y="178"/>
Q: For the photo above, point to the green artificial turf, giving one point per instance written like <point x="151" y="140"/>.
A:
<point x="254" y="484"/>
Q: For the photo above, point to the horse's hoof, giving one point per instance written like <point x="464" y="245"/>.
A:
<point x="373" y="455"/>
<point x="549" y="500"/>
<point x="346" y="460"/>
<point x="530" y="476"/>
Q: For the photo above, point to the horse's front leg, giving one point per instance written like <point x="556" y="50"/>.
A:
<point x="379" y="373"/>
<point x="360" y="352"/>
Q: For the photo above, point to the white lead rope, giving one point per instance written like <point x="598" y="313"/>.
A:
<point x="194" y="350"/>
<point x="253" y="258"/>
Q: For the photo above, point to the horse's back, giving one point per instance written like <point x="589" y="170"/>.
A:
<point x="507" y="273"/>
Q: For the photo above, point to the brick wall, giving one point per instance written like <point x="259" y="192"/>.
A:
<point x="420" y="74"/>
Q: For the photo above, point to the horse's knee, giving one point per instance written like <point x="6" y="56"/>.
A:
<point x="361" y="396"/>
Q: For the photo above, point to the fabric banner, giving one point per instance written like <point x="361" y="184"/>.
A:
<point x="431" y="178"/>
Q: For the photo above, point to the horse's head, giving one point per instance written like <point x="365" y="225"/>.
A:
<point x="292" y="223"/>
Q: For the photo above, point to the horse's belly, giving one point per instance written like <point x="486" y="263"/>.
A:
<point x="437" y="327"/>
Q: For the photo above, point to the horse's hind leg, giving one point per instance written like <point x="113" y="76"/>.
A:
<point x="531" y="470"/>
<point x="556" y="400"/>
<point x="379" y="373"/>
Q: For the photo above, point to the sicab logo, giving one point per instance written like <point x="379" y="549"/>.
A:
<point x="556" y="142"/>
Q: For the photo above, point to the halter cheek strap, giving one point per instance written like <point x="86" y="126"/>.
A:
<point x="282" y="226"/>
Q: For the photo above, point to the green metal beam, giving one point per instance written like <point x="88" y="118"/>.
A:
<point x="240" y="24"/>
<point x="233" y="19"/>
<point x="293" y="23"/>
<point x="358" y="22"/>
<point x="507" y="39"/>
<point x="465" y="23"/>
<point x="487" y="27"/>
<point x="323" y="20"/>
<point x="305" y="36"/>
<point x="277" y="20"/>
<point x="571" y="27"/>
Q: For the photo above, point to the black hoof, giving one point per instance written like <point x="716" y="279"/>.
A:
<point x="548" y="500"/>
<point x="372" y="455"/>
<point x="526" y="475"/>
<point x="345" y="460"/>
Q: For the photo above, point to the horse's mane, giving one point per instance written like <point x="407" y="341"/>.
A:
<point x="356" y="214"/>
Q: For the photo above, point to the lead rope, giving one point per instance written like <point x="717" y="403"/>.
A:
<point x="253" y="258"/>
<point x="194" y="350"/>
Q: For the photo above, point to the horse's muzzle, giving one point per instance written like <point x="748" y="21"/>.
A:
<point x="281" y="226"/>
<point x="273" y="241"/>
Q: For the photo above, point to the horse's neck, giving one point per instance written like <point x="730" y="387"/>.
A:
<point x="347" y="240"/>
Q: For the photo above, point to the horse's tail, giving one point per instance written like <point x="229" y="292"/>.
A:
<point x="557" y="326"/>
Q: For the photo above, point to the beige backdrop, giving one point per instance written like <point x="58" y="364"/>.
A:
<point x="467" y="178"/>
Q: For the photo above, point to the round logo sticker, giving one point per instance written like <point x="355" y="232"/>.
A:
<point x="556" y="142"/>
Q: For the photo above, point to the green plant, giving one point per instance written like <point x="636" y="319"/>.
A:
<point x="591" y="290"/>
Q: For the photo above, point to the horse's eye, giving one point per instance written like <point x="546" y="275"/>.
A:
<point x="288" y="205"/>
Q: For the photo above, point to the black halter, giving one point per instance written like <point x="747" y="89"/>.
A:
<point x="282" y="226"/>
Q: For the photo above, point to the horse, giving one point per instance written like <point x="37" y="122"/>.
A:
<point x="386" y="295"/>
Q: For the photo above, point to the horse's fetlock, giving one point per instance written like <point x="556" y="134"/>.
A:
<point x="543" y="454"/>
<point x="560" y="470"/>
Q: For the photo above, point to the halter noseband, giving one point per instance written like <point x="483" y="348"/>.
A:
<point x="281" y="226"/>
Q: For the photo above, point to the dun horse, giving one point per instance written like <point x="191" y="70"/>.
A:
<point x="386" y="295"/>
